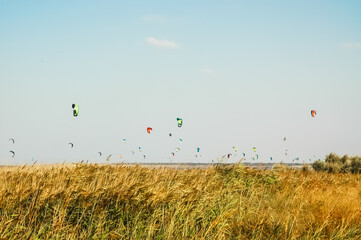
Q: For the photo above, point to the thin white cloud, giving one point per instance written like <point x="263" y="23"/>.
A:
<point x="354" y="45"/>
<point x="208" y="71"/>
<point x="162" y="43"/>
<point x="154" y="19"/>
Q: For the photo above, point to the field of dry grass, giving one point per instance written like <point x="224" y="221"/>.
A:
<point x="131" y="202"/>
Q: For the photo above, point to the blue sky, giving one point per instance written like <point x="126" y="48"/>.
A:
<point x="239" y="73"/>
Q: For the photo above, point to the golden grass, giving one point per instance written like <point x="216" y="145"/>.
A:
<point x="131" y="202"/>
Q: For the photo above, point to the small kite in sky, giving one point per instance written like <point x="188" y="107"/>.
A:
<point x="180" y="122"/>
<point x="149" y="129"/>
<point x="313" y="113"/>
<point x="75" y="109"/>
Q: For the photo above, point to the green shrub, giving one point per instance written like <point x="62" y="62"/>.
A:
<point x="305" y="168"/>
<point x="334" y="167"/>
<point x="356" y="164"/>
<point x="345" y="159"/>
<point x="318" y="166"/>
<point x="346" y="168"/>
<point x="332" y="158"/>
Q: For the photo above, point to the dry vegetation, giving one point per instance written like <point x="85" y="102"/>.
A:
<point x="130" y="202"/>
<point x="336" y="164"/>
